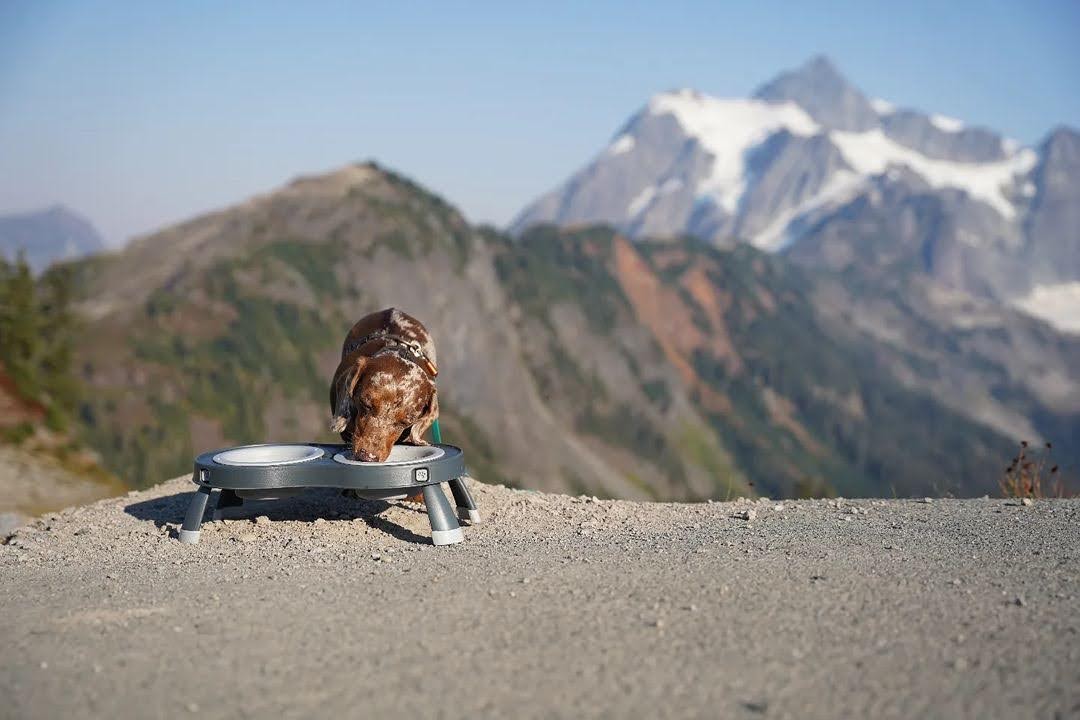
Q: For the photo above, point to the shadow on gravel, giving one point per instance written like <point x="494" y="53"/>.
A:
<point x="309" y="506"/>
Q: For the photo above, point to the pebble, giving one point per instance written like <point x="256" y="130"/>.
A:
<point x="262" y="520"/>
<point x="320" y="521"/>
<point x="376" y="556"/>
<point x="1026" y="501"/>
<point x="248" y="537"/>
<point x="745" y="515"/>
<point x="926" y="500"/>
<point x="1019" y="601"/>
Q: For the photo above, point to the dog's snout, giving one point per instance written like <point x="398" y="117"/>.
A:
<point x="365" y="456"/>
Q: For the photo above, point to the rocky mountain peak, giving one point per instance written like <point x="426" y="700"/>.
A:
<point x="823" y="92"/>
<point x="801" y="163"/>
<point x="1062" y="144"/>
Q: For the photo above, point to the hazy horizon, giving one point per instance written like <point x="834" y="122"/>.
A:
<point x="137" y="117"/>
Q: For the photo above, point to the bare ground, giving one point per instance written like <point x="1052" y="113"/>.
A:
<point x="554" y="607"/>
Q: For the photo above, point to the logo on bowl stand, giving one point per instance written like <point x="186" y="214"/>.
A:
<point x="420" y="475"/>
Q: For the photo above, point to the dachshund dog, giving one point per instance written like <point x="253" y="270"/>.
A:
<point x="383" y="391"/>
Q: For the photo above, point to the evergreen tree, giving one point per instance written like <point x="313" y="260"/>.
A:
<point x="20" y="323"/>
<point x="58" y="385"/>
<point x="36" y="333"/>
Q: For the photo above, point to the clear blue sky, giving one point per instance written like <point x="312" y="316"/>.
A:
<point x="140" y="114"/>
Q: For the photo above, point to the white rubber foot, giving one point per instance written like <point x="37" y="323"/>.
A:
<point x="471" y="516"/>
<point x="189" y="537"/>
<point x="447" y="537"/>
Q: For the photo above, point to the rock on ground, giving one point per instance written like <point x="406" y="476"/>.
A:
<point x="554" y="607"/>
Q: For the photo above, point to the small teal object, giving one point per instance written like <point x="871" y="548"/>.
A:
<point x="436" y="433"/>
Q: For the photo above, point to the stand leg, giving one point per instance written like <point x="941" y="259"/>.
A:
<point x="466" y="508"/>
<point x="444" y="526"/>
<point x="189" y="531"/>
<point x="227" y="499"/>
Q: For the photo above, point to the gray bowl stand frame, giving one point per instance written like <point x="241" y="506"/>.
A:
<point x="369" y="481"/>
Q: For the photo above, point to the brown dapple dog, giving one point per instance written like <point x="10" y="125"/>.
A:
<point x="383" y="391"/>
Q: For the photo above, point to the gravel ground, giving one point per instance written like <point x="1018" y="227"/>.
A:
<point x="553" y="607"/>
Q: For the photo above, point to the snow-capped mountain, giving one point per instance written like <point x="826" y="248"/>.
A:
<point x="811" y="166"/>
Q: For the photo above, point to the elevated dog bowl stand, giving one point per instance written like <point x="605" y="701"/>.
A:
<point x="273" y="471"/>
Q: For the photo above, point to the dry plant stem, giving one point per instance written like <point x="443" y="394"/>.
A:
<point x="1026" y="474"/>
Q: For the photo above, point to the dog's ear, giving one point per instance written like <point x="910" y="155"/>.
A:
<point x="344" y="386"/>
<point x="430" y="414"/>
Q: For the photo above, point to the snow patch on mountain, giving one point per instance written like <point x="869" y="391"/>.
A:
<point x="623" y="143"/>
<point x="671" y="186"/>
<point x="946" y="123"/>
<point x="872" y="153"/>
<point x="1058" y="305"/>
<point x="781" y="232"/>
<point x="882" y="107"/>
<point x="727" y="129"/>
<point x="641" y="201"/>
<point x="645" y="198"/>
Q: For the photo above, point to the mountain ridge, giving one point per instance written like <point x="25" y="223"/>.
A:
<point x="572" y="360"/>
<point x="781" y="167"/>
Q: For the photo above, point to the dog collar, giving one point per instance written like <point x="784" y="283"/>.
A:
<point x="416" y="353"/>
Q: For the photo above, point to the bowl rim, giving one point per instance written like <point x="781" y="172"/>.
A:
<point x="310" y="453"/>
<point x="432" y="452"/>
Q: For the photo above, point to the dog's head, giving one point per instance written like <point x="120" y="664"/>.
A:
<point x="380" y="398"/>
